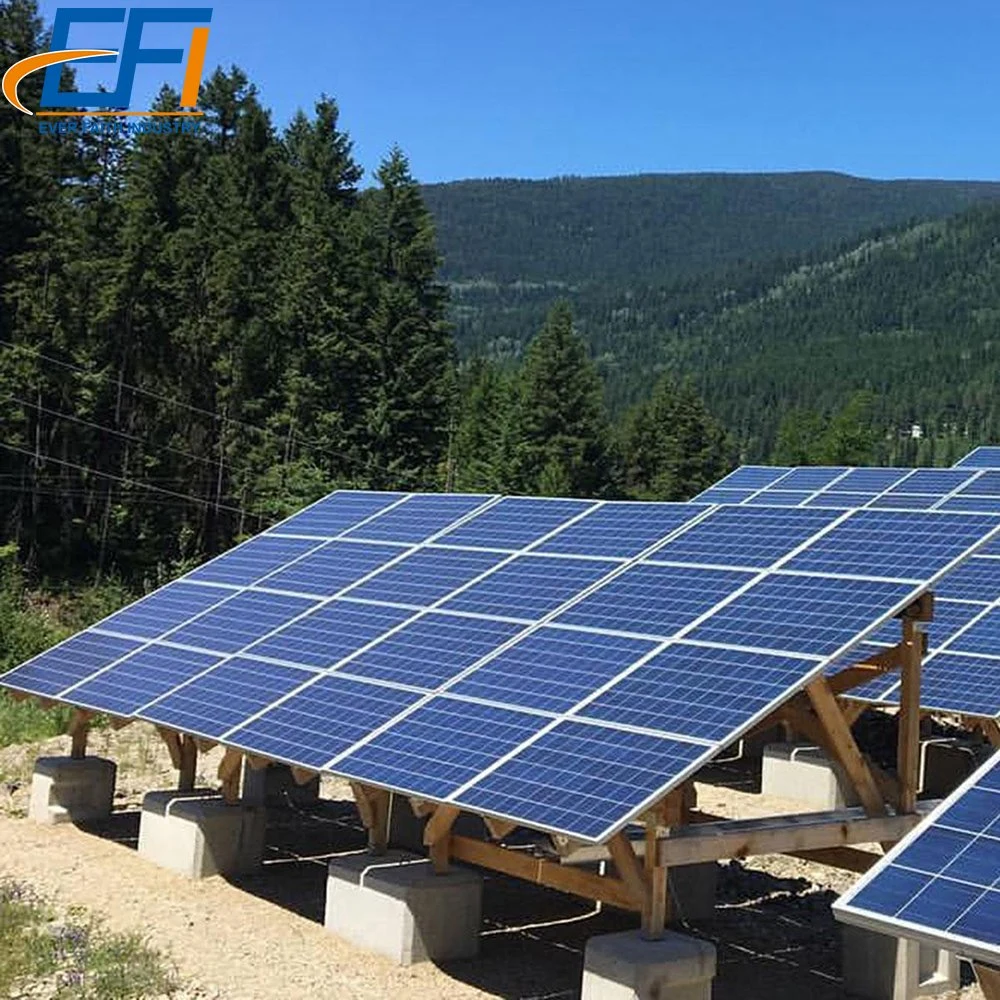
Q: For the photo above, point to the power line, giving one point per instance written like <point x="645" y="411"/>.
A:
<point x="130" y="482"/>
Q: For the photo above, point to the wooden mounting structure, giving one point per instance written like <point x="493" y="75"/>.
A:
<point x="373" y="806"/>
<point x="989" y="980"/>
<point x="230" y="773"/>
<point x="79" y="728"/>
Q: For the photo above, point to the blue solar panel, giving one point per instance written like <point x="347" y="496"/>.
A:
<point x="840" y="500"/>
<point x="581" y="777"/>
<point x="432" y="649"/>
<point x="64" y="665"/>
<point x="427" y="575"/>
<point x="987" y="484"/>
<point x="985" y="457"/>
<point x="812" y="478"/>
<point x="654" y="599"/>
<point x="223" y="697"/>
<point x="976" y="579"/>
<point x="983" y="637"/>
<point x="871" y="480"/>
<point x="164" y="609"/>
<point x="335" y="514"/>
<point x="418" y="517"/>
<point x="779" y="498"/>
<point x="953" y="682"/>
<point x="620" y="529"/>
<point x="529" y="587"/>
<point x="979" y="505"/>
<point x="897" y="544"/>
<point x="802" y="614"/>
<point x="942" y="882"/>
<point x="330" y="633"/>
<point x="745" y="536"/>
<point x="753" y="477"/>
<point x="247" y="616"/>
<point x="552" y="669"/>
<point x="140" y="678"/>
<point x="299" y="729"/>
<point x="253" y="560"/>
<point x="939" y="481"/>
<point x="717" y="494"/>
<point x="698" y="691"/>
<point x="332" y="568"/>
<point x="949" y="617"/>
<point x="905" y="501"/>
<point x="515" y="522"/>
<point x="440" y="746"/>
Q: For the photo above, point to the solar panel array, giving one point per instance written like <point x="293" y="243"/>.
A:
<point x="985" y="457"/>
<point x="558" y="663"/>
<point x="962" y="670"/>
<point x="941" y="883"/>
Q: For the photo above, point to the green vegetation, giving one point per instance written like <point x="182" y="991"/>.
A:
<point x="72" y="957"/>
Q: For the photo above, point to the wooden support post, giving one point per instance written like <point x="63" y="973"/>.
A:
<point x="256" y="762"/>
<point x="437" y="836"/>
<point x="908" y="743"/>
<point x="991" y="730"/>
<point x="421" y="808"/>
<point x="230" y="770"/>
<point x="648" y="886"/>
<point x="172" y="742"/>
<point x="302" y="775"/>
<point x="989" y="980"/>
<point x="656" y="905"/>
<point x="373" y="807"/>
<point x="79" y="727"/>
<point x="498" y="828"/>
<point x="188" y="764"/>
<point x="844" y="748"/>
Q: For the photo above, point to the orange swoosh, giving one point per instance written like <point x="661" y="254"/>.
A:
<point x="21" y="69"/>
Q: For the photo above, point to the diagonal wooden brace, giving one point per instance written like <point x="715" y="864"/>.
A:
<point x="373" y="807"/>
<point x="230" y="770"/>
<point x="437" y="835"/>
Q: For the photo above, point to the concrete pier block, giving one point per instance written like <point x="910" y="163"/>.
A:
<point x="274" y="786"/>
<point x="396" y="905"/>
<point x="198" y="834"/>
<point x="879" y="967"/>
<point x="71" y="790"/>
<point x="626" y="966"/>
<point x="804" y="773"/>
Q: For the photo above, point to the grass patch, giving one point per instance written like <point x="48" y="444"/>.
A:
<point x="72" y="957"/>
<point x="28" y="722"/>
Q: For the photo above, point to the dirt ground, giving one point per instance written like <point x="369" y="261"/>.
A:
<point x="261" y="937"/>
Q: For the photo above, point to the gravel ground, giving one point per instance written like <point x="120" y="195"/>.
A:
<point x="261" y="937"/>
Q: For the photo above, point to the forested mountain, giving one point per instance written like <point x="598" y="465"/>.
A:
<point x="663" y="228"/>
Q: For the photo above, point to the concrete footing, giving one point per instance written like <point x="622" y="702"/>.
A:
<point x="71" y="790"/>
<point x="274" y="786"/>
<point x="804" y="773"/>
<point x="199" y="834"/>
<point x="626" y="966"/>
<point x="879" y="967"/>
<point x="396" y="905"/>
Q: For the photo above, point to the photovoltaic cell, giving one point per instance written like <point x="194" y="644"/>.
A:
<point x="883" y="543"/>
<point x="753" y="477"/>
<point x="581" y="777"/>
<point x="871" y="480"/>
<point x="779" y="498"/>
<point x="718" y="494"/>
<point x="224" y="696"/>
<point x="140" y="678"/>
<point x="905" y="501"/>
<point x="64" y="665"/>
<point x="529" y="587"/>
<point x="985" y="485"/>
<point x="976" y="579"/>
<point x="621" y="529"/>
<point x="247" y="616"/>
<point x="432" y="649"/>
<point x="330" y="633"/>
<point x="427" y="575"/>
<point x="941" y="884"/>
<point x="939" y="481"/>
<point x="811" y="478"/>
<point x="698" y="691"/>
<point x="654" y="599"/>
<point x="514" y="523"/>
<point x="251" y="561"/>
<point x="745" y="536"/>
<point x="552" y="669"/>
<point x="164" y="609"/>
<point x="335" y="514"/>
<point x="418" y="517"/>
<point x="839" y="500"/>
<point x="983" y="637"/>
<point x="954" y="682"/>
<point x="299" y="729"/>
<point x="333" y="567"/>
<point x="440" y="746"/>
<point x="985" y="457"/>
<point x="981" y="505"/>
<point x="801" y="614"/>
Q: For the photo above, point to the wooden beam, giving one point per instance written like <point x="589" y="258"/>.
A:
<point x="189" y="764"/>
<point x="173" y="744"/>
<point x="302" y="775"/>
<point x="989" y="980"/>
<point x="79" y="727"/>
<point x="921" y="610"/>
<point x="205" y="746"/>
<point x="630" y="871"/>
<point x="523" y="865"/>
<point x="852" y="677"/>
<point x="656" y="906"/>
<point x="908" y="742"/>
<point x="991" y="730"/>
<point x="422" y="808"/>
<point x="258" y="763"/>
<point x="853" y="710"/>
<point x="230" y="769"/>
<point x="843" y="746"/>
<point x="119" y="723"/>
<point x="373" y="807"/>
<point x="498" y="828"/>
<point x="848" y="859"/>
<point x="437" y="835"/>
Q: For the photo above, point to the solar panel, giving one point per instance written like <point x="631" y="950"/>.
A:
<point x="567" y="660"/>
<point x="253" y="560"/>
<point x="753" y="477"/>
<point x="985" y="457"/>
<point x="941" y="883"/>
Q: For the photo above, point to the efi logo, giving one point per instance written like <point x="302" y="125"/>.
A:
<point x="129" y="56"/>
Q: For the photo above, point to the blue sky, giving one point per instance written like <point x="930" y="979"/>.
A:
<point x="517" y="89"/>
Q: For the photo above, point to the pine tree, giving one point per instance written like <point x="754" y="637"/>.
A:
<point x="560" y="428"/>
<point x="482" y="449"/>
